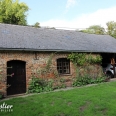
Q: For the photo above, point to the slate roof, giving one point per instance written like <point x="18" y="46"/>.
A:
<point x="14" y="37"/>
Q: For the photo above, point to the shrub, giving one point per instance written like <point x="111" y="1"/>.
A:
<point x="86" y="79"/>
<point x="1" y="95"/>
<point x="38" y="85"/>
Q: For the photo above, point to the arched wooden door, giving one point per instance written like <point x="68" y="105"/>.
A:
<point x="16" y="77"/>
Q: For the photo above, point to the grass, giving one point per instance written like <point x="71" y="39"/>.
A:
<point x="98" y="100"/>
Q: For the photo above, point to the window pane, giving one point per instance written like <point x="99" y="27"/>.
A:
<point x="63" y="66"/>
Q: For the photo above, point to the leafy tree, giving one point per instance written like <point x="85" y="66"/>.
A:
<point x="37" y="24"/>
<point x="111" y="28"/>
<point x="95" y="29"/>
<point x="13" y="12"/>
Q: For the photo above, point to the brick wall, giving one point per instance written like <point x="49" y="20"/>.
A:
<point x="33" y="61"/>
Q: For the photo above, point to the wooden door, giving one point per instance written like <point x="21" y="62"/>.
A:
<point x="16" y="77"/>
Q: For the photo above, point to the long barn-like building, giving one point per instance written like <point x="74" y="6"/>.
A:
<point x="23" y="49"/>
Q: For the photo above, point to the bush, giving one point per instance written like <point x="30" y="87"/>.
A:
<point x="38" y="85"/>
<point x="86" y="79"/>
<point x="1" y="95"/>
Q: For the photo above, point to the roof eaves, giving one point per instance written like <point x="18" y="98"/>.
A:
<point x="51" y="50"/>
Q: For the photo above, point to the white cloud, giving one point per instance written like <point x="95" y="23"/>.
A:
<point x="70" y="3"/>
<point x="100" y="17"/>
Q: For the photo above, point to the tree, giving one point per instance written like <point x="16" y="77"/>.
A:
<point x="37" y="24"/>
<point x="94" y="29"/>
<point x="111" y="28"/>
<point x="13" y="12"/>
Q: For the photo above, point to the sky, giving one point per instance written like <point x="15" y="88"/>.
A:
<point x="70" y="14"/>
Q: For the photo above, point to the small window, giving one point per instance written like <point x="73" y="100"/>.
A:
<point x="63" y="66"/>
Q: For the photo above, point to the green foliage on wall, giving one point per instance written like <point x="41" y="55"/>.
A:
<point x="84" y="64"/>
<point x="87" y="69"/>
<point x="41" y="83"/>
<point x="84" y="58"/>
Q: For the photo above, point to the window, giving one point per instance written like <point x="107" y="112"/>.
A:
<point x="63" y="66"/>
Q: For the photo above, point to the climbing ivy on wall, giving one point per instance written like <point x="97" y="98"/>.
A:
<point x="84" y="58"/>
<point x="41" y="83"/>
<point x="86" y="70"/>
<point x="81" y="61"/>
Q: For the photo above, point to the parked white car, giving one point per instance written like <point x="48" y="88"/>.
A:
<point x="108" y="70"/>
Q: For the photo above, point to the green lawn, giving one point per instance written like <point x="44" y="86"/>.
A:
<point x="97" y="100"/>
